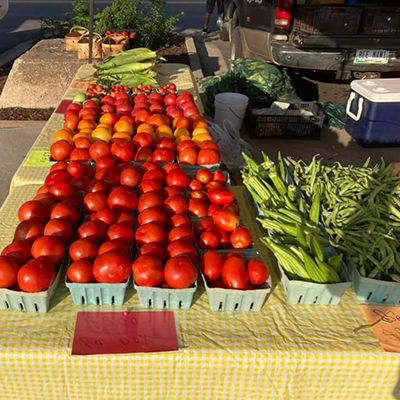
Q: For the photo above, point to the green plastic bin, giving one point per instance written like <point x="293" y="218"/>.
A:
<point x="155" y="297"/>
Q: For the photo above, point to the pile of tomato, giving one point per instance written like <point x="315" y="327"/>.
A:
<point x="116" y="197"/>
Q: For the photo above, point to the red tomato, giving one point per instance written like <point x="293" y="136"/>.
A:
<point x="240" y="238"/>
<point x="150" y="200"/>
<point x="209" y="239"/>
<point x="188" y="156"/>
<point x="150" y="233"/>
<point x="36" y="276"/>
<point x="76" y="168"/>
<point x="171" y="191"/>
<point x="152" y="215"/>
<point x="83" y="249"/>
<point x="165" y="143"/>
<point x="80" y="272"/>
<point x="224" y="238"/>
<point x="48" y="248"/>
<point x="213" y="185"/>
<point x="130" y="177"/>
<point x="114" y="245"/>
<point x="89" y="172"/>
<point x="182" y="233"/>
<point x="258" y="271"/>
<point x="46" y="198"/>
<point x="59" y="175"/>
<point x="28" y="231"/>
<point x="221" y="196"/>
<point x="202" y="225"/>
<point x="80" y="155"/>
<point x="175" y="205"/>
<point x="211" y="265"/>
<point x="186" y="144"/>
<point x="104" y="217"/>
<point x="43" y="189"/>
<point x="155" y="175"/>
<point x="92" y="230"/>
<point x="178" y="179"/>
<point x="170" y="167"/>
<point x="198" y="195"/>
<point x="163" y="155"/>
<point x="179" y="220"/>
<point x="123" y="166"/>
<point x="209" y="144"/>
<point x="208" y="157"/>
<point x="180" y="273"/>
<point x="123" y="198"/>
<point x="94" y="202"/>
<point x="60" y="229"/>
<point x="82" y="143"/>
<point x="226" y="220"/>
<point x="231" y="207"/>
<point x="112" y="267"/>
<point x="109" y="175"/>
<point x="154" y="250"/>
<point x="99" y="149"/>
<point x="80" y="183"/>
<point x="204" y="176"/>
<point x="59" y="165"/>
<point x="126" y="218"/>
<point x="143" y="155"/>
<point x="212" y="208"/>
<point x="60" y="150"/>
<point x="122" y="151"/>
<point x="148" y="271"/>
<point x="195" y="185"/>
<point x="97" y="187"/>
<point x="8" y="271"/>
<point x="20" y="251"/>
<point x="234" y="254"/>
<point x="143" y="139"/>
<point x="149" y="186"/>
<point x="62" y="190"/>
<point x="64" y="211"/>
<point x="234" y="273"/>
<point x="197" y="208"/>
<point x="105" y="162"/>
<point x="122" y="232"/>
<point x="182" y="248"/>
<point x="33" y="210"/>
<point x="148" y="166"/>
<point x="218" y="176"/>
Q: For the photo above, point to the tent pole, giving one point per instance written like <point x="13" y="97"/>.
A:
<point x="91" y="12"/>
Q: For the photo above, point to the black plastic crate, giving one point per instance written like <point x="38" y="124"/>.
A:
<point x="285" y="126"/>
<point x="381" y="21"/>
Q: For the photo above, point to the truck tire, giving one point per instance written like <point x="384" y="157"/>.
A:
<point x="236" y="50"/>
<point x="224" y="31"/>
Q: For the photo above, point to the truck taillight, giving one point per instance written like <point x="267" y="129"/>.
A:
<point x="283" y="13"/>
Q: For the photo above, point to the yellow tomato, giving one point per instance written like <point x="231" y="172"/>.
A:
<point x="101" y="134"/>
<point x="201" y="138"/>
<point x="200" y="131"/>
<point x="122" y="135"/>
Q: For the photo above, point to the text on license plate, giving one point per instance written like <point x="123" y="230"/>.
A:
<point x="372" y="57"/>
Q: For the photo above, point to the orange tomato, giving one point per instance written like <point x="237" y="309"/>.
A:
<point x="109" y="119"/>
<point x="127" y="118"/>
<point x="181" y="131"/>
<point x="201" y="138"/>
<point x="86" y="131"/>
<point x="82" y="142"/>
<point x="101" y="133"/>
<point x="71" y="122"/>
<point x="181" y="138"/>
<point x="200" y="131"/>
<point x="63" y="134"/>
<point x="165" y="130"/>
<point x="122" y="135"/>
<point x="89" y="117"/>
<point x="81" y="135"/>
<point x="86" y="124"/>
<point x="197" y="118"/>
<point x="144" y="128"/>
<point x="123" y="126"/>
<point x="182" y="122"/>
<point x="157" y="120"/>
<point x="200" y="124"/>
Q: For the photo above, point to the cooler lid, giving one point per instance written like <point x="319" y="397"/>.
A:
<point x="378" y="90"/>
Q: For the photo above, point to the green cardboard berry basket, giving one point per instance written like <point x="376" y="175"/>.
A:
<point x="233" y="300"/>
<point x="98" y="294"/>
<point x="169" y="299"/>
<point x="373" y="290"/>
<point x="34" y="302"/>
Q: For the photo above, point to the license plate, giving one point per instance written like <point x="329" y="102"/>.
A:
<point x="372" y="57"/>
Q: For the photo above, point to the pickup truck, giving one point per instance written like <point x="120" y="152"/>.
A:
<point x="351" y="37"/>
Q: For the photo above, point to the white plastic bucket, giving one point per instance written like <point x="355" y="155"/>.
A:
<point x="232" y="107"/>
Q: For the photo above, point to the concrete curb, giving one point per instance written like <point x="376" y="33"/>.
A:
<point x="194" y="58"/>
<point x="21" y="124"/>
<point x="15" y="52"/>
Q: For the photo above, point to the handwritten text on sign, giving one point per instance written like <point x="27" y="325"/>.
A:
<point x="385" y="323"/>
<point x="118" y="332"/>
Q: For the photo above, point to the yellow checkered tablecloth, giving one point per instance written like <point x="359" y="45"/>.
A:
<point x="283" y="352"/>
<point x="180" y="74"/>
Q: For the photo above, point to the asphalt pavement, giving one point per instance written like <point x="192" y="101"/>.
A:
<point x="22" y="22"/>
